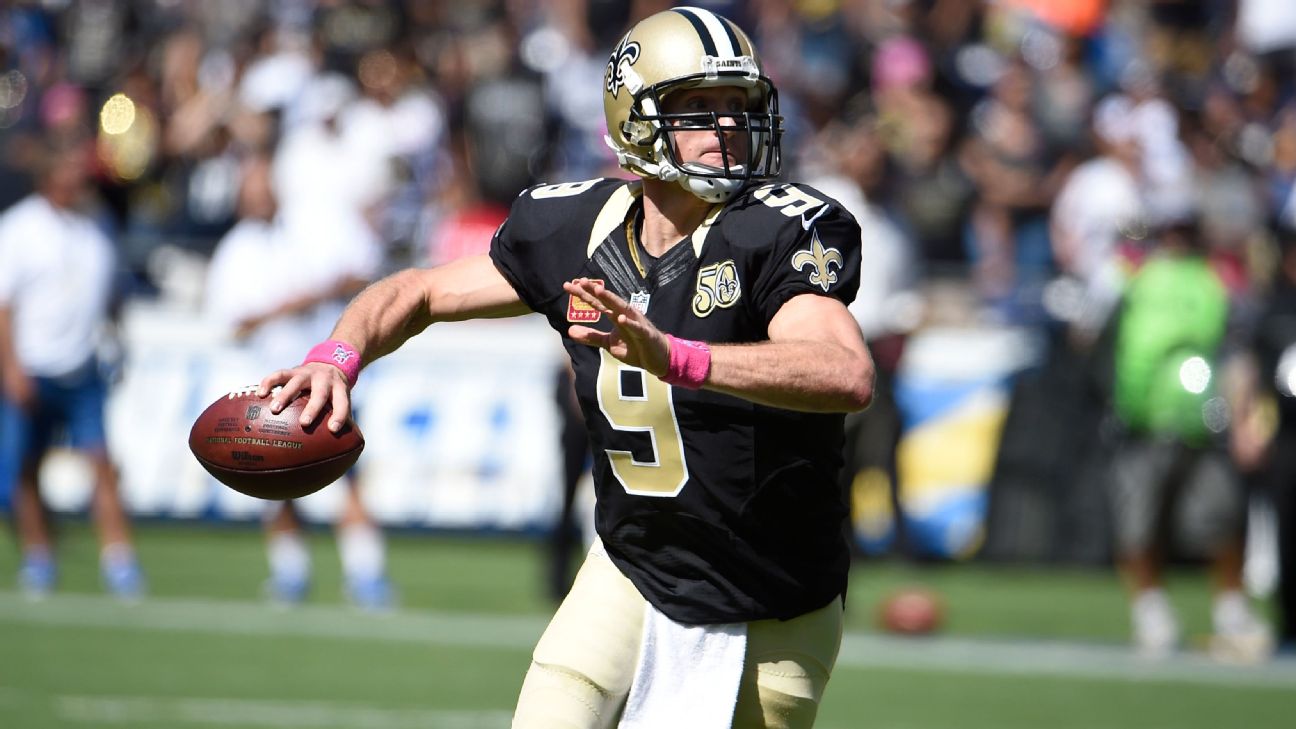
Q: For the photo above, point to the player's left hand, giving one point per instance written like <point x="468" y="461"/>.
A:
<point x="633" y="339"/>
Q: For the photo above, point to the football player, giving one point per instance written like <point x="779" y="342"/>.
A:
<point x="704" y="310"/>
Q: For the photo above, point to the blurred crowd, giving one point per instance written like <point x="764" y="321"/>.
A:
<point x="998" y="143"/>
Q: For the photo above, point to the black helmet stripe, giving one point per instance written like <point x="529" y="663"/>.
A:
<point x="728" y="29"/>
<point x="714" y="32"/>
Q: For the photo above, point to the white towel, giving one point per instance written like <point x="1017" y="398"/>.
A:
<point x="687" y="675"/>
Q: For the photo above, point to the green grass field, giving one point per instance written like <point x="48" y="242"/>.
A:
<point x="1022" y="648"/>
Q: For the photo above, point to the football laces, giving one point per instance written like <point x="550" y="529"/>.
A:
<point x="249" y="390"/>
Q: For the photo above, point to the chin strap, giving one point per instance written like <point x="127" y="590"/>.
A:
<point x="711" y="189"/>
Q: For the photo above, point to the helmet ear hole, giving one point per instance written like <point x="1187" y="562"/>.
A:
<point x="637" y="132"/>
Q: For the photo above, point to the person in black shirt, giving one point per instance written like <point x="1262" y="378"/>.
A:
<point x="704" y="310"/>
<point x="1262" y="444"/>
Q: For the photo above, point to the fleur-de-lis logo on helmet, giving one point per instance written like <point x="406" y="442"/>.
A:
<point x="820" y="260"/>
<point x="623" y="56"/>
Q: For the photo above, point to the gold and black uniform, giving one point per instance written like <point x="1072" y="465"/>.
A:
<point x="718" y="509"/>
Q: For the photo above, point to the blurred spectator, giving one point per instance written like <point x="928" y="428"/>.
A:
<point x="57" y="275"/>
<point x="1179" y="39"/>
<point x="1166" y="164"/>
<point x="902" y="77"/>
<point x="568" y="535"/>
<point x="1263" y="70"/>
<point x="278" y="318"/>
<point x="506" y="133"/>
<point x="401" y="123"/>
<point x="567" y="49"/>
<point x="321" y="173"/>
<point x="1170" y="470"/>
<point x="1266" y="26"/>
<point x="498" y="144"/>
<point x="928" y="192"/>
<point x="200" y="150"/>
<point x="1281" y="177"/>
<point x="887" y="307"/>
<point x="1017" y="174"/>
<point x="1066" y="88"/>
<point x="1264" y="431"/>
<point x="281" y="65"/>
<point x="461" y="220"/>
<point x="1098" y="208"/>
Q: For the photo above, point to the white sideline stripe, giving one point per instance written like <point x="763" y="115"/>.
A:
<point x="133" y="710"/>
<point x="256" y="618"/>
<point x="860" y="651"/>
<point x="1057" y="659"/>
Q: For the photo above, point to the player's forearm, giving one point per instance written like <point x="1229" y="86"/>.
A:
<point x="806" y="376"/>
<point x="385" y="315"/>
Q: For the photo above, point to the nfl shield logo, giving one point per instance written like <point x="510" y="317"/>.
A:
<point x="639" y="300"/>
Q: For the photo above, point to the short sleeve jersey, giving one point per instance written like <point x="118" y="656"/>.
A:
<point x="718" y="509"/>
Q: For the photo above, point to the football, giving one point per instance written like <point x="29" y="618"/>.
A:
<point x="910" y="611"/>
<point x="271" y="456"/>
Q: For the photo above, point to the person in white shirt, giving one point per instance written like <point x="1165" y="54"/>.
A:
<point x="272" y="316"/>
<point x="56" y="285"/>
<point x="1101" y="204"/>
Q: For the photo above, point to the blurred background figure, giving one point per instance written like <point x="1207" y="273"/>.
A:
<point x="57" y="290"/>
<point x="851" y="169"/>
<point x="277" y="318"/>
<point x="1264" y="432"/>
<point x="1171" y="476"/>
<point x="922" y="186"/>
<point x="573" y="528"/>
<point x="1097" y="211"/>
<point x="1017" y="172"/>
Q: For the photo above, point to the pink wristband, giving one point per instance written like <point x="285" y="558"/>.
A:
<point x="339" y="354"/>
<point x="690" y="362"/>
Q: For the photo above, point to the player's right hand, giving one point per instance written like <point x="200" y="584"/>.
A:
<point x="633" y="339"/>
<point x="327" y="386"/>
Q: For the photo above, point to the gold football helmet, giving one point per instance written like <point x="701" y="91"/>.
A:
<point x="685" y="48"/>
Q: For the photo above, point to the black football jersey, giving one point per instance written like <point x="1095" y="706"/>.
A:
<point x="718" y="509"/>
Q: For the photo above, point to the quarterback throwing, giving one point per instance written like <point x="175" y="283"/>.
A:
<point x="703" y="306"/>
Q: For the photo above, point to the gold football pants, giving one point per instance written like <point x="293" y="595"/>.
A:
<point x="582" y="667"/>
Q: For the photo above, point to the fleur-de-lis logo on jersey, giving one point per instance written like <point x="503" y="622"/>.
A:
<point x="623" y="56"/>
<point x="820" y="260"/>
